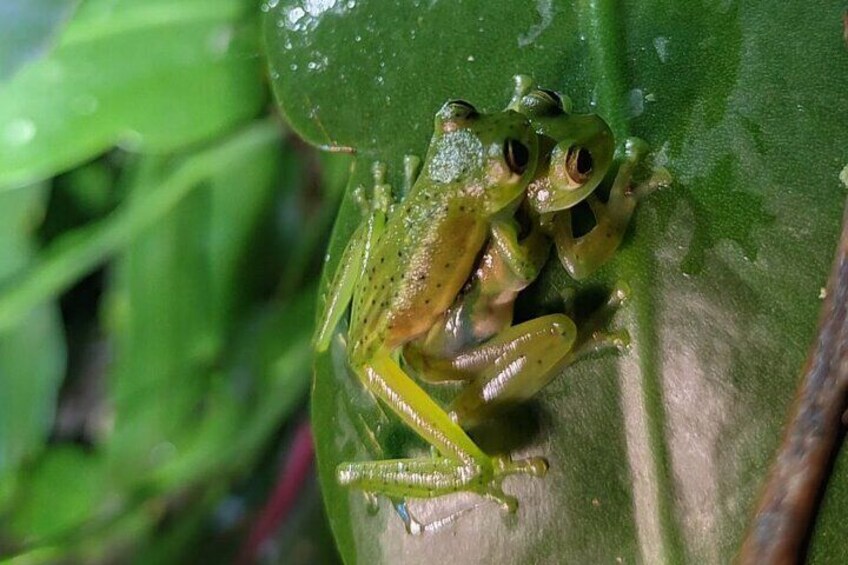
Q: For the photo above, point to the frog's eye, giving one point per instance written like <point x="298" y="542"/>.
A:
<point x="516" y="155"/>
<point x="578" y="163"/>
<point x="552" y="97"/>
<point x="541" y="102"/>
<point x="457" y="110"/>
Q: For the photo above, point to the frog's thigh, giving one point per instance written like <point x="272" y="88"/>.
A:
<point x="522" y="360"/>
<point x="384" y="377"/>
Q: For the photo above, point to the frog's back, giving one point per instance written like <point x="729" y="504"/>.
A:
<point x="424" y="257"/>
<point x="476" y="165"/>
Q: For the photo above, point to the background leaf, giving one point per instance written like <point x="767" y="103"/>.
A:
<point x="27" y="28"/>
<point x="153" y="76"/>
<point x="28" y="383"/>
<point x="155" y="298"/>
<point x="657" y="454"/>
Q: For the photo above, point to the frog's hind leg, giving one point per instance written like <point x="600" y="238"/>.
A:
<point x="462" y="467"/>
<point x="515" y="365"/>
<point x="431" y="477"/>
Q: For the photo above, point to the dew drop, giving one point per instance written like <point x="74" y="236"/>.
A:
<point x="295" y="14"/>
<point x="636" y="102"/>
<point x="661" y="45"/>
<point x="19" y="132"/>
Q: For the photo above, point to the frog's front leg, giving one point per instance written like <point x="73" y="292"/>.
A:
<point x="342" y="285"/>
<point x="463" y="466"/>
<point x="582" y="256"/>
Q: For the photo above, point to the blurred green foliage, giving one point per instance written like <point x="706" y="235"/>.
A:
<point x="160" y="239"/>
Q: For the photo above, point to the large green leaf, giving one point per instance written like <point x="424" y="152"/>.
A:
<point x="153" y="75"/>
<point x="657" y="453"/>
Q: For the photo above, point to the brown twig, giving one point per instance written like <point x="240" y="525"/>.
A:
<point x="781" y="526"/>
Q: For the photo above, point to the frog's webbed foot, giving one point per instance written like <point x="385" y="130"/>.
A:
<point x="506" y="466"/>
<point x="592" y="337"/>
<point x="582" y="256"/>
<point x="463" y="467"/>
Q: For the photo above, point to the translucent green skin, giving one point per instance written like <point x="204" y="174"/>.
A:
<point x="558" y="186"/>
<point x="431" y="241"/>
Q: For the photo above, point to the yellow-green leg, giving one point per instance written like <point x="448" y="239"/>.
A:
<point x="343" y="284"/>
<point x="463" y="466"/>
<point x="515" y="365"/>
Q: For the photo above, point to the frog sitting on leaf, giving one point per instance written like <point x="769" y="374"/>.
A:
<point x="430" y="282"/>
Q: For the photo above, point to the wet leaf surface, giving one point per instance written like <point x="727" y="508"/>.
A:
<point x="657" y="453"/>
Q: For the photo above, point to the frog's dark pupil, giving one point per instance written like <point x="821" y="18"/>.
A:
<point x="579" y="162"/>
<point x="554" y="96"/>
<point x="584" y="161"/>
<point x="516" y="155"/>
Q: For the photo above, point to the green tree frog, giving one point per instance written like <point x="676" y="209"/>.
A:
<point x="433" y="279"/>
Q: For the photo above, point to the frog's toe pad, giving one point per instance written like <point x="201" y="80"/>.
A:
<point x="507" y="503"/>
<point x="533" y="466"/>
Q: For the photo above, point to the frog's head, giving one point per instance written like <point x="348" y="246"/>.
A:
<point x="490" y="157"/>
<point x="578" y="163"/>
<point x="576" y="152"/>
